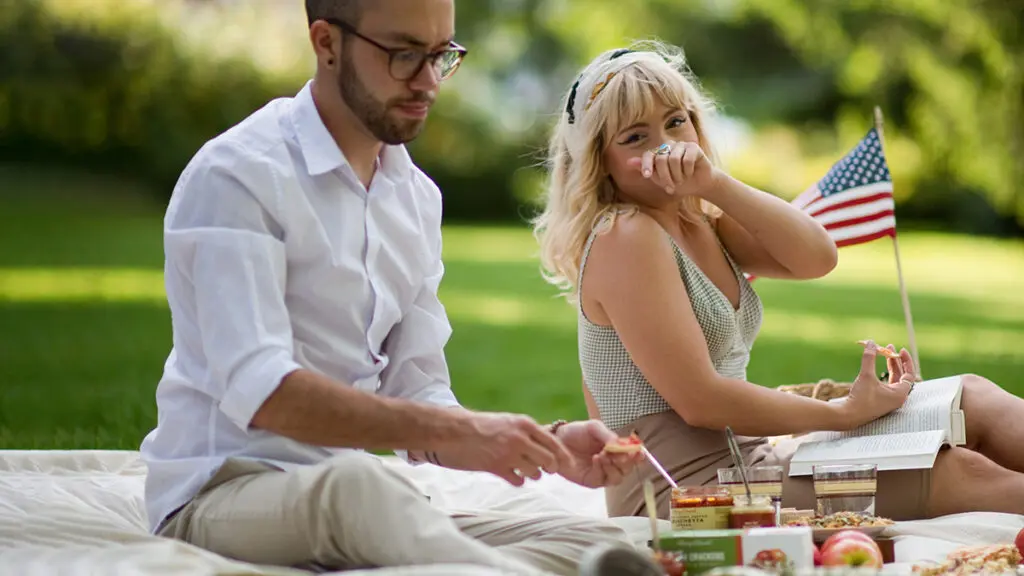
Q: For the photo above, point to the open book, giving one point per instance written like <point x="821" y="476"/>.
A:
<point x="908" y="438"/>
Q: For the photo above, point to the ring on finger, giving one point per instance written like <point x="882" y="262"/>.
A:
<point x="663" y="150"/>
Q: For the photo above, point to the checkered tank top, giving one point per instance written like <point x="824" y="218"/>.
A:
<point x="620" y="390"/>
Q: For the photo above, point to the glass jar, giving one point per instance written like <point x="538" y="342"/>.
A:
<point x="701" y="507"/>
<point x="755" y="512"/>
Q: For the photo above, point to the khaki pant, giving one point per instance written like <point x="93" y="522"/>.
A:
<point x="353" y="512"/>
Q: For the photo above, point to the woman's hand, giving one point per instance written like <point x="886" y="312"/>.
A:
<point x="902" y="366"/>
<point x="871" y="398"/>
<point x="678" y="167"/>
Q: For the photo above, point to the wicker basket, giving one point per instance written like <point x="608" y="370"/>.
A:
<point x="825" y="389"/>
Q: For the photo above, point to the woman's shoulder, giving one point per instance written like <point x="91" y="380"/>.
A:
<point x="629" y="228"/>
<point x="630" y="239"/>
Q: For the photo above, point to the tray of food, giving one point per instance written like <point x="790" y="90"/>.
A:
<point x="825" y="526"/>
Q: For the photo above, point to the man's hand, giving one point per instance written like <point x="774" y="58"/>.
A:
<point x="511" y="446"/>
<point x="591" y="466"/>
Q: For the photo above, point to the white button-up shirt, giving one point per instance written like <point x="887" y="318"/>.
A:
<point x="277" y="258"/>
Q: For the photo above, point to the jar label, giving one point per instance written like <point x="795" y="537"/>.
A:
<point x="845" y="487"/>
<point x="700" y="518"/>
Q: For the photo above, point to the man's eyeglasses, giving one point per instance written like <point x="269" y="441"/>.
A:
<point x="405" y="63"/>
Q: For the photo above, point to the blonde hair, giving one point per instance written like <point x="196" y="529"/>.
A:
<point x="615" y="90"/>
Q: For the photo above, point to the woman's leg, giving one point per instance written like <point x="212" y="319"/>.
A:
<point x="995" y="422"/>
<point x="963" y="480"/>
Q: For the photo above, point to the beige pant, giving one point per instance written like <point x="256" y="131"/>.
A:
<point x="354" y="512"/>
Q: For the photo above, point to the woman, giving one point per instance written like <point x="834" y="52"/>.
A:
<point x="650" y="238"/>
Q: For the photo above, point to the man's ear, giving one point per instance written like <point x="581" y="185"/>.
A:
<point x="326" y="42"/>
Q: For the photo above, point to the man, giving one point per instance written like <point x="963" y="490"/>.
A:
<point x="303" y="257"/>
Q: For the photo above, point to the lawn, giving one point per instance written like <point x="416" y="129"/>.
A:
<point x="86" y="329"/>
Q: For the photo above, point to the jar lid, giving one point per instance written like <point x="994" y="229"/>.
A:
<point x="700" y="491"/>
<point x="755" y="501"/>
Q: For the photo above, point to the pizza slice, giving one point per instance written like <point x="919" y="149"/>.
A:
<point x="629" y="445"/>
<point x="881" y="350"/>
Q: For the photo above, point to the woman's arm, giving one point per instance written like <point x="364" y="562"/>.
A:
<point x="588" y="398"/>
<point x="768" y="236"/>
<point x="632" y="274"/>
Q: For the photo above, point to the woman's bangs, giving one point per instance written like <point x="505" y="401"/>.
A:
<point x="637" y="92"/>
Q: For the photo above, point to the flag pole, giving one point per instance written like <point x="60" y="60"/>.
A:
<point x="899" y="268"/>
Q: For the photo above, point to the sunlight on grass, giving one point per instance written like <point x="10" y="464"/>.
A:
<point x="485" y="244"/>
<point x="795" y="327"/>
<point x="81" y="285"/>
<point x="982" y="268"/>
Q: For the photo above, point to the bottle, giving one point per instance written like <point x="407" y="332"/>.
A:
<point x="700" y="507"/>
<point x="755" y="512"/>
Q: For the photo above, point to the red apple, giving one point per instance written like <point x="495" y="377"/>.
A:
<point x="1019" y="541"/>
<point x="817" y="556"/>
<point x="852" y="552"/>
<point x="846" y="535"/>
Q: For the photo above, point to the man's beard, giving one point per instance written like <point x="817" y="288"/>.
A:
<point x="373" y="113"/>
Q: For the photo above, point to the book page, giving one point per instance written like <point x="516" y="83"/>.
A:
<point x="889" y="452"/>
<point x="929" y="407"/>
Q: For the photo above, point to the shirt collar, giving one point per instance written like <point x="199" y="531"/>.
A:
<point x="321" y="152"/>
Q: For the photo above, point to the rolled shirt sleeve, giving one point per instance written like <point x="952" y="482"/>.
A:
<point x="417" y="369"/>
<point x="225" y="273"/>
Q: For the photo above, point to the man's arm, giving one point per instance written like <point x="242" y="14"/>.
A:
<point x="314" y="409"/>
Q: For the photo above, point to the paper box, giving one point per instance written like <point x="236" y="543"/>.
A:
<point x="703" y="550"/>
<point x="780" y="550"/>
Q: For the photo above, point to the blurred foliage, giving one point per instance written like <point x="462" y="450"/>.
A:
<point x="105" y="85"/>
<point x="138" y="85"/>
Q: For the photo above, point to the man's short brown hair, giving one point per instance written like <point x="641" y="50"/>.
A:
<point x="348" y="11"/>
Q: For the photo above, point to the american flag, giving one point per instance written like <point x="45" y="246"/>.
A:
<point x="854" y="200"/>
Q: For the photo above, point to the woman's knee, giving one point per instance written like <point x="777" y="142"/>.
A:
<point x="960" y="479"/>
<point x="978" y="384"/>
<point x="962" y="465"/>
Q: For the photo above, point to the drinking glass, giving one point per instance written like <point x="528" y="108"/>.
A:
<point x="845" y="488"/>
<point x="763" y="480"/>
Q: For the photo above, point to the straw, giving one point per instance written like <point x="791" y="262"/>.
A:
<point x="657" y="466"/>
<point x="737" y="459"/>
<point x="652" y="513"/>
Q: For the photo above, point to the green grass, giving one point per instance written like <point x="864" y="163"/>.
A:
<point x="86" y="331"/>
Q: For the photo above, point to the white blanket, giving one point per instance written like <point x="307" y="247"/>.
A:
<point x="81" y="512"/>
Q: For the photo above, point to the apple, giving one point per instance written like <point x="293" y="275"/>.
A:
<point x="1019" y="541"/>
<point x="846" y="535"/>
<point x="852" y="552"/>
<point x="817" y="556"/>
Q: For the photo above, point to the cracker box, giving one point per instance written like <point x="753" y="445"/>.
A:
<point x="704" y="550"/>
<point x="778" y="550"/>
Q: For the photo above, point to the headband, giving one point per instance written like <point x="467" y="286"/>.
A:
<point x="591" y="82"/>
